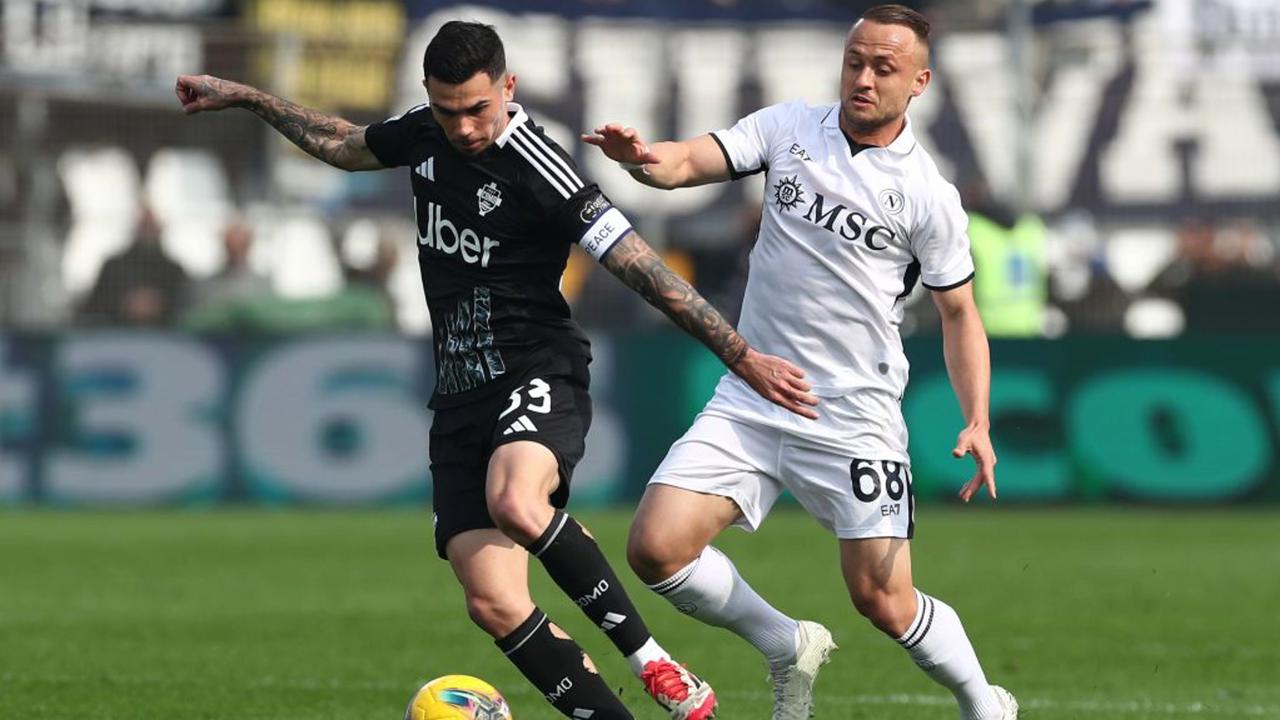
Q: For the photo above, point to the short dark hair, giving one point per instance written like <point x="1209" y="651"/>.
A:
<point x="899" y="15"/>
<point x="462" y="49"/>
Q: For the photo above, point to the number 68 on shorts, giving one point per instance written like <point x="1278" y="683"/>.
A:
<point x="752" y="464"/>
<point x="885" y="483"/>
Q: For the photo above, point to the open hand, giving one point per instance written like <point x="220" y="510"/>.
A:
<point x="621" y="144"/>
<point x="198" y="93"/>
<point x="777" y="381"/>
<point x="976" y="441"/>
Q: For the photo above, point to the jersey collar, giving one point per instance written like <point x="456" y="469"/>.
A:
<point x="518" y="118"/>
<point x="901" y="145"/>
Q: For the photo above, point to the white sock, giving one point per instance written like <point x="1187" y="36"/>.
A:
<point x="711" y="590"/>
<point x="647" y="653"/>
<point x="938" y="645"/>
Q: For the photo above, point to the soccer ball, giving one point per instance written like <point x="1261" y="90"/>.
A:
<point x="457" y="697"/>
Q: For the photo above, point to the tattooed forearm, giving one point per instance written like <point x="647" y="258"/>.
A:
<point x="318" y="134"/>
<point x="322" y="136"/>
<point x="637" y="265"/>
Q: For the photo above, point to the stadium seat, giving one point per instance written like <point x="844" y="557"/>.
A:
<point x="780" y="51"/>
<point x="405" y="285"/>
<point x="360" y="244"/>
<point x="1135" y="255"/>
<point x="189" y="192"/>
<point x="1151" y="318"/>
<point x="303" y="263"/>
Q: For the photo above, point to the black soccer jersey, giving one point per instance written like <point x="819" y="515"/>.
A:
<point x="493" y="238"/>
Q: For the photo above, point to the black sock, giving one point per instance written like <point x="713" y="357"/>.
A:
<point x="574" y="560"/>
<point x="561" y="671"/>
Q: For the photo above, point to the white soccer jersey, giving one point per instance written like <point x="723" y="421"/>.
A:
<point x="846" y="232"/>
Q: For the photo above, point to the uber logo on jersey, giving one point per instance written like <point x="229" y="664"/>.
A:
<point x="892" y="201"/>
<point x="593" y="208"/>
<point x="443" y="235"/>
<point x="848" y="224"/>
<point x="490" y="198"/>
<point x="607" y="230"/>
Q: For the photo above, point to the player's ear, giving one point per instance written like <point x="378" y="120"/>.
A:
<point x="509" y="87"/>
<point x="923" y="76"/>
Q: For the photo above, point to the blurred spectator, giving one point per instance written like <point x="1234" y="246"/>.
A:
<point x="602" y="301"/>
<point x="236" y="280"/>
<point x="1010" y="280"/>
<point x="708" y="248"/>
<point x="141" y="286"/>
<point x="722" y="271"/>
<point x="1086" y="297"/>
<point x="369" y="270"/>
<point x="1225" y="279"/>
<point x="361" y="303"/>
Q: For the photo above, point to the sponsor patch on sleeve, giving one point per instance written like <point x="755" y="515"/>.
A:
<point x="610" y="227"/>
<point x="592" y="209"/>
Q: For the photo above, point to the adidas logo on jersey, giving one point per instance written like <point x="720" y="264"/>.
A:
<point x="427" y="169"/>
<point x="522" y="424"/>
<point x="445" y="236"/>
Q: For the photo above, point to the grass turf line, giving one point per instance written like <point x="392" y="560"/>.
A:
<point x="283" y="615"/>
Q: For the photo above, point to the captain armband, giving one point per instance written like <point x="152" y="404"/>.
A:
<point x="608" y="228"/>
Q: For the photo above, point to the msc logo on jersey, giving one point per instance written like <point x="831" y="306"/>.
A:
<point x="848" y="223"/>
<point x="891" y="200"/>
<point x="788" y="193"/>
<point x="490" y="198"/>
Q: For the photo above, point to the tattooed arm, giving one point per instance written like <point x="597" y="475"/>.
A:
<point x="775" y="379"/>
<point x="325" y="137"/>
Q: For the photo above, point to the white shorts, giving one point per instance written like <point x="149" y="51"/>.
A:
<point x="752" y="463"/>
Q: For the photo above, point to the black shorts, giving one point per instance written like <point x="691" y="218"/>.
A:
<point x="552" y="410"/>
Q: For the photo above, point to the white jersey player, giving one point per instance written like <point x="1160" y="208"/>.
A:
<point x="855" y="213"/>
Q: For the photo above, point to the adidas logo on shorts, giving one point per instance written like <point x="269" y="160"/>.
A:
<point x="522" y="424"/>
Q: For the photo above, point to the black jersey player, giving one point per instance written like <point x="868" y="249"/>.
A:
<point x="498" y="204"/>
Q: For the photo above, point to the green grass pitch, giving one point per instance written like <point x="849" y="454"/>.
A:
<point x="291" y="615"/>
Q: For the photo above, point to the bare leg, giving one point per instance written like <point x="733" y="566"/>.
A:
<point x="877" y="572"/>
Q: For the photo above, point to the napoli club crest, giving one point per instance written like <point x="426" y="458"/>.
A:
<point x="490" y="198"/>
<point x="892" y="201"/>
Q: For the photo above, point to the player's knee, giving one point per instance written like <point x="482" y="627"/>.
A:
<point x="517" y="518"/>
<point x="652" y="557"/>
<point x="496" y="616"/>
<point x="887" y="611"/>
<point x="644" y="559"/>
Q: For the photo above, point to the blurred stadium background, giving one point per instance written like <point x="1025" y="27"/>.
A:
<point x="194" y="313"/>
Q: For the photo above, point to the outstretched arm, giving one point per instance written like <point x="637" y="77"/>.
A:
<point x="774" y="378"/>
<point x="664" y="165"/>
<point x="969" y="366"/>
<point x="325" y="137"/>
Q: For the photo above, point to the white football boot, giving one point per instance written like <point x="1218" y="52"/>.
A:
<point x="1008" y="703"/>
<point x="793" y="684"/>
